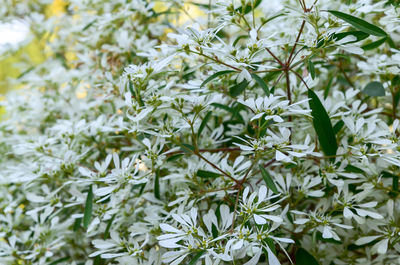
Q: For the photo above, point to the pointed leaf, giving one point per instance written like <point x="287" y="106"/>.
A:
<point x="305" y="258"/>
<point x="235" y="90"/>
<point x="374" y="89"/>
<point x="88" y="208"/>
<point x="157" y="185"/>
<point x="359" y="24"/>
<point x="268" y="180"/>
<point x="374" y="45"/>
<point x="215" y="76"/>
<point x="311" y="69"/>
<point x="196" y="258"/>
<point x="261" y="83"/>
<point x="204" y="123"/>
<point x="207" y="174"/>
<point x="322" y="125"/>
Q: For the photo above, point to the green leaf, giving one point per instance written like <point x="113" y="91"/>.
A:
<point x="328" y="88"/>
<point x="374" y="89"/>
<point x="174" y="157"/>
<point x="204" y="123"/>
<point x="238" y="39"/>
<point x="311" y="69"/>
<point x="322" y="125"/>
<point x="196" y="258"/>
<point x="360" y="24"/>
<point x="215" y="76"/>
<point x="268" y="180"/>
<point x="261" y="83"/>
<point x="271" y="245"/>
<point x="305" y="258"/>
<point x="157" y="185"/>
<point x="374" y="45"/>
<point x="235" y="90"/>
<point x="338" y="126"/>
<point x="59" y="261"/>
<point x="207" y="174"/>
<point x="358" y="34"/>
<point x="234" y="112"/>
<point x="248" y="7"/>
<point x="187" y="148"/>
<point x="87" y="215"/>
<point x="107" y="231"/>
<point x="353" y="169"/>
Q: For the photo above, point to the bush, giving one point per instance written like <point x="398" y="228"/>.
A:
<point x="224" y="132"/>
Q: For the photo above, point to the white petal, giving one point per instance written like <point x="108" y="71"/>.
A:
<point x="381" y="247"/>
<point x="259" y="220"/>
<point x="347" y="213"/>
<point x="169" y="228"/>
<point x="366" y="240"/>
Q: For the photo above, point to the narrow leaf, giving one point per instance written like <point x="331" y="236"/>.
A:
<point x="268" y="180"/>
<point x="196" y="258"/>
<point x="322" y="125"/>
<point x="338" y="126"/>
<point x="107" y="231"/>
<point x="235" y="90"/>
<point x="359" y="24"/>
<point x="206" y="174"/>
<point x="311" y="69"/>
<point x="374" y="45"/>
<point x="261" y="83"/>
<point x="204" y="123"/>
<point x="215" y="76"/>
<point x="157" y="185"/>
<point x="374" y="89"/>
<point x="305" y="258"/>
<point x="88" y="208"/>
<point x="358" y="34"/>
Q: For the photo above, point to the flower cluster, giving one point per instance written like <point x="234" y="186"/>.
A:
<point x="203" y="132"/>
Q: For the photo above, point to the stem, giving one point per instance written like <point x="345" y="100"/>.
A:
<point x="289" y="61"/>
<point x="217" y="168"/>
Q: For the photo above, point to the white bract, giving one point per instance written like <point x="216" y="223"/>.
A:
<point x="202" y="132"/>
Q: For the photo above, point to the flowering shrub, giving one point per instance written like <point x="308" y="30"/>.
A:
<point x="224" y="132"/>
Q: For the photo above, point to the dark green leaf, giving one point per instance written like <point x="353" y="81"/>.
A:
<point x="234" y="112"/>
<point x="395" y="183"/>
<point x="238" y="39"/>
<point x="157" y="185"/>
<point x="216" y="75"/>
<point x="187" y="148"/>
<point x="360" y="24"/>
<point x="328" y="88"/>
<point x="374" y="89"/>
<point x="374" y="45"/>
<point x="204" y="123"/>
<point x="322" y="125"/>
<point x="311" y="69"/>
<point x="235" y="90"/>
<point x="107" y="231"/>
<point x="59" y="261"/>
<point x="88" y="208"/>
<point x="338" y="126"/>
<point x="358" y="34"/>
<point x="248" y="7"/>
<point x="261" y="83"/>
<point x="305" y="258"/>
<point x="271" y="245"/>
<point x="268" y="180"/>
<point x="174" y="157"/>
<point x="353" y="169"/>
<point x="196" y="258"/>
<point x="214" y="231"/>
<point x="206" y="174"/>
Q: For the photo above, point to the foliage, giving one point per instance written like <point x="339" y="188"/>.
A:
<point x="216" y="132"/>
